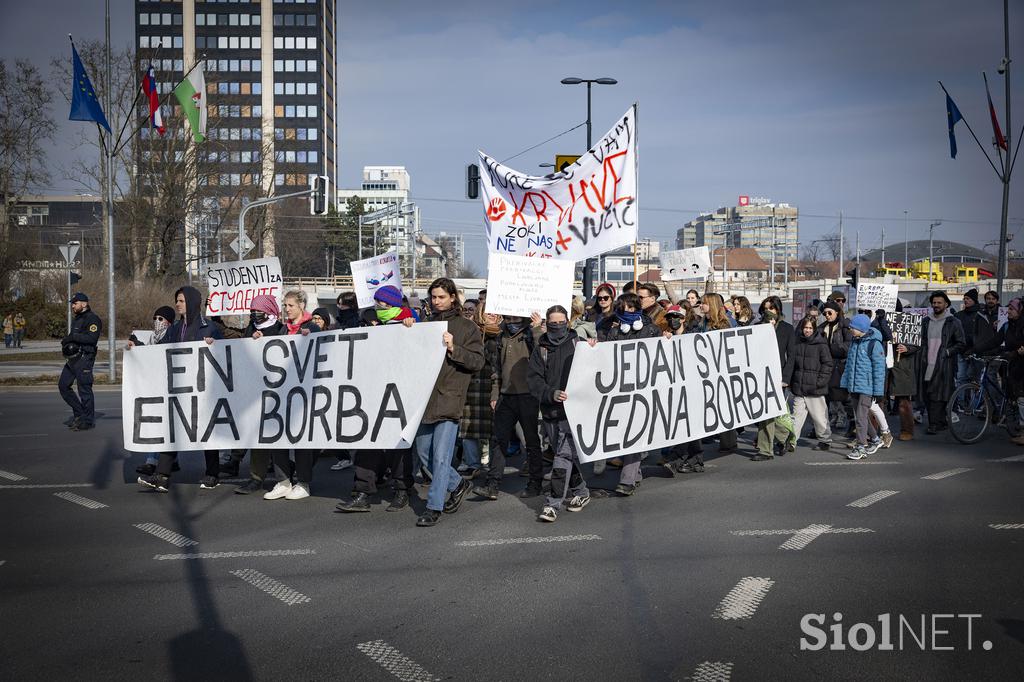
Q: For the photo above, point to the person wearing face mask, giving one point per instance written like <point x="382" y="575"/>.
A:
<point x="512" y="403"/>
<point x="348" y="311"/>
<point x="162" y="319"/>
<point x="390" y="309"/>
<point x="550" y="364"/>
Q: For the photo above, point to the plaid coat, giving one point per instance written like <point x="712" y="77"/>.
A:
<point x="477" y="415"/>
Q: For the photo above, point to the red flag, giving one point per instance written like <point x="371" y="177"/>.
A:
<point x="149" y="87"/>
<point x="1000" y="140"/>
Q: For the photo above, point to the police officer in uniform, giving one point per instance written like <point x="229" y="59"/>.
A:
<point x="79" y="347"/>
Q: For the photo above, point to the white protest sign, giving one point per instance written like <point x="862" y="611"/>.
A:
<point x="685" y="264"/>
<point x="145" y="336"/>
<point x="585" y="210"/>
<point x="326" y="390"/>
<point x="517" y="285"/>
<point x="635" y="396"/>
<point x="234" y="284"/>
<point x="371" y="274"/>
<point x="872" y="296"/>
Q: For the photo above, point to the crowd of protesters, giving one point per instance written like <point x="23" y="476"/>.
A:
<point x="500" y="393"/>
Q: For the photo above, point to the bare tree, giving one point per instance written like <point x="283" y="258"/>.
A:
<point x="811" y="252"/>
<point x="468" y="271"/>
<point x="25" y="125"/>
<point x="831" y="243"/>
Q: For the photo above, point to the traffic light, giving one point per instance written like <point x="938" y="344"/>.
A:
<point x="318" y="201"/>
<point x="74" y="278"/>
<point x="852" y="278"/>
<point x="473" y="181"/>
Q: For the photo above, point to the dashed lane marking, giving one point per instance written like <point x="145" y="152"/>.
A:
<point x="272" y="587"/>
<point x="1006" y="526"/>
<point x="395" y="662"/>
<point x="945" y="474"/>
<point x="234" y="555"/>
<point x="165" y="534"/>
<point x="1014" y="458"/>
<point x="712" y="671"/>
<point x="869" y="500"/>
<point x="22" y="435"/>
<point x="29" y="486"/>
<point x="521" y="541"/>
<point x="83" y="501"/>
<point x="12" y="477"/>
<point x="802" y="536"/>
<point x="743" y="600"/>
<point x="848" y="463"/>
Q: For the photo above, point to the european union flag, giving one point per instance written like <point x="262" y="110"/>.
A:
<point x="953" y="116"/>
<point x="84" y="104"/>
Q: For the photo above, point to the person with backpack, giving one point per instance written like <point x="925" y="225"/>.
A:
<point x="550" y="364"/>
<point x="864" y="378"/>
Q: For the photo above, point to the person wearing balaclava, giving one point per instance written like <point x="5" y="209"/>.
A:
<point x="513" y="403"/>
<point x="348" y="311"/>
<point x="162" y="319"/>
<point x="190" y="326"/>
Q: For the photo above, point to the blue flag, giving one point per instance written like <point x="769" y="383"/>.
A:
<point x="84" y="105"/>
<point x="952" y="116"/>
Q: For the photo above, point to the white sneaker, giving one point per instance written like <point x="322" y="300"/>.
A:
<point x="298" y="492"/>
<point x="279" y="491"/>
<point x="548" y="514"/>
<point x="578" y="502"/>
<point x="857" y="453"/>
<point x="341" y="465"/>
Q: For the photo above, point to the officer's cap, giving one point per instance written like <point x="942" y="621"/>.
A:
<point x="79" y="296"/>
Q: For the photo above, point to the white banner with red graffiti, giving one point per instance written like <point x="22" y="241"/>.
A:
<point x="586" y="210"/>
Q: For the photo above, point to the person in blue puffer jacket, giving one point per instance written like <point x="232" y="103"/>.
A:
<point x="864" y="378"/>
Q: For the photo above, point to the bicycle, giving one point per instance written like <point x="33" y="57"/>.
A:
<point x="974" y="404"/>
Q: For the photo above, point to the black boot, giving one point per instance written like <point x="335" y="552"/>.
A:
<point x="360" y="502"/>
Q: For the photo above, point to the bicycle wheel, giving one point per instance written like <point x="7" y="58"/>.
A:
<point x="969" y="413"/>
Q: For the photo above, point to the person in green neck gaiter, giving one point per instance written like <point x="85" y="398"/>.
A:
<point x="389" y="307"/>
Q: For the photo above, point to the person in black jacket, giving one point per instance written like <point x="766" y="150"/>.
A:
<point x="79" y="347"/>
<point x="978" y="331"/>
<point x="812" y="370"/>
<point x="836" y="330"/>
<point x="550" y="363"/>
<point x="190" y="326"/>
<point x="942" y="340"/>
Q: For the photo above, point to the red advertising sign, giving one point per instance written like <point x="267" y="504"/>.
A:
<point x="744" y="200"/>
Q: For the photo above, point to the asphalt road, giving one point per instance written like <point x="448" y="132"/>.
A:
<point x="666" y="585"/>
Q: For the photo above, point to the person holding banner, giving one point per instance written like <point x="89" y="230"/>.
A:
<point x="162" y="319"/>
<point x="298" y="474"/>
<point x="812" y="370"/>
<point x="779" y="428"/>
<point x="903" y="383"/>
<point x="549" y="368"/>
<point x="190" y="326"/>
<point x="439" y="427"/>
<point x="742" y="312"/>
<point x="648" y="294"/>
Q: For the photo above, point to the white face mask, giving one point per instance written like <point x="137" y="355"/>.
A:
<point x="160" y="324"/>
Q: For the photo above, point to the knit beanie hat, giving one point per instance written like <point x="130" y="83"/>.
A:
<point x="832" y="305"/>
<point x="861" y="323"/>
<point x="972" y="294"/>
<point x="166" y="312"/>
<point x="389" y="295"/>
<point x="323" y="315"/>
<point x="265" y="303"/>
<point x="1015" y="304"/>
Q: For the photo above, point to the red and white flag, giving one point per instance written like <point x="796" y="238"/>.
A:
<point x="149" y="87"/>
<point x="1000" y="140"/>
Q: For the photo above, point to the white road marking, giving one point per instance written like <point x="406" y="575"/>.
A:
<point x="848" y="463"/>
<point x="234" y="555"/>
<point x="22" y="435"/>
<point x="743" y="600"/>
<point x="1006" y="526"/>
<point x="27" y="486"/>
<point x="272" y="587"/>
<point x="520" y="541"/>
<point x="166" y="534"/>
<point x="78" y="499"/>
<point x="12" y="477"/>
<point x="802" y="536"/>
<point x="3" y="562"/>
<point x="869" y="500"/>
<point x="944" y="474"/>
<point x="392" y="660"/>
<point x="1014" y="458"/>
<point x="712" y="671"/>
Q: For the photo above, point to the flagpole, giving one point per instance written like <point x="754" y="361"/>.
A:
<point x="164" y="101"/>
<point x="1001" y="269"/>
<point x="138" y="92"/>
<point x="980" y="146"/>
<point x="111" y="309"/>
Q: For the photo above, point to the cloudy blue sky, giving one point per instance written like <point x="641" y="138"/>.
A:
<point x="828" y="106"/>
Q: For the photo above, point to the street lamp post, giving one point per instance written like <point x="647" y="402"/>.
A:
<point x="588" y="267"/>
<point x="906" y="246"/>
<point x="931" y="267"/>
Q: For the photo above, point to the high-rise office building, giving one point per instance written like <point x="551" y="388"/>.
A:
<point x="270" y="68"/>
<point x="754" y="223"/>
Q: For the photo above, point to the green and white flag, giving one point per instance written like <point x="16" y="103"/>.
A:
<point x="191" y="94"/>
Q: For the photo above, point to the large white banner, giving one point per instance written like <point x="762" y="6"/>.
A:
<point x="233" y="285"/>
<point x="635" y="396"/>
<point x="359" y="388"/>
<point x="371" y="274"/>
<point x="517" y="285"/>
<point x="873" y="296"/>
<point x="685" y="264"/>
<point x="585" y="210"/>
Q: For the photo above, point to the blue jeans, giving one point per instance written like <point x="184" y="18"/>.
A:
<point x="436" y="444"/>
<point x="471" y="452"/>
<point x="967" y="370"/>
